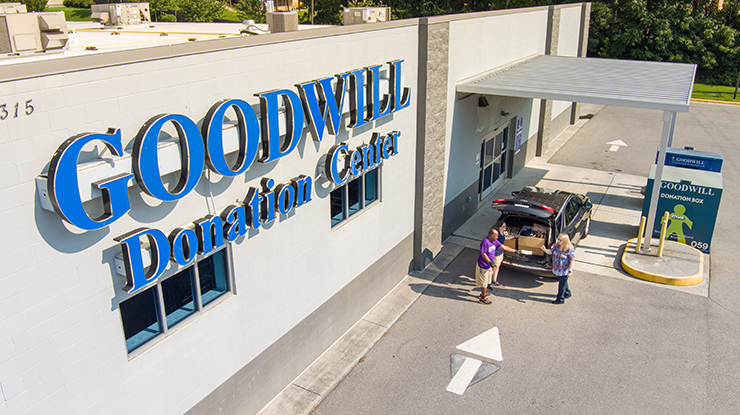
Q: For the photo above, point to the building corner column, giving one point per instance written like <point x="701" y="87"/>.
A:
<point x="575" y="112"/>
<point x="551" y="48"/>
<point x="431" y="127"/>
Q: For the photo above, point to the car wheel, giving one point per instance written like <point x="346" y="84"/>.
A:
<point x="587" y="228"/>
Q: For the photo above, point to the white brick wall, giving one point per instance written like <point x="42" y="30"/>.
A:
<point x="62" y="346"/>
<point x="512" y="37"/>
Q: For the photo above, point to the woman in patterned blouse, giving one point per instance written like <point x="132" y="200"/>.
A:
<point x="563" y="258"/>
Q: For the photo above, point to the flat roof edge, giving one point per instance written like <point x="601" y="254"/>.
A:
<point x="502" y="12"/>
<point x="611" y="100"/>
<point x="36" y="68"/>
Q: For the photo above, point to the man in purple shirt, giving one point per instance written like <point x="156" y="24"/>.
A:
<point x="484" y="268"/>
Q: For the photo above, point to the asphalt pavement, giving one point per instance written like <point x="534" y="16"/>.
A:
<point x="619" y="345"/>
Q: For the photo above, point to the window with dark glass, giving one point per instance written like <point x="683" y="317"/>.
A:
<point x="140" y="319"/>
<point x="355" y="195"/>
<point x="158" y="309"/>
<point x="371" y="186"/>
<point x="559" y="224"/>
<point x="212" y="276"/>
<point x="571" y="209"/>
<point x="337" y="206"/>
<point x="178" y="296"/>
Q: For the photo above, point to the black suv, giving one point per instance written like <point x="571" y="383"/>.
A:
<point x="535" y="217"/>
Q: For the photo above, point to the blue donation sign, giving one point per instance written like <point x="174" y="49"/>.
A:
<point x="319" y="103"/>
<point x="691" y="198"/>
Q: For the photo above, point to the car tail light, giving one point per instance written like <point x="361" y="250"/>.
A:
<point x="499" y="201"/>
<point x="548" y="208"/>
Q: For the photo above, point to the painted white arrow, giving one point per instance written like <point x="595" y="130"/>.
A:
<point x="616" y="144"/>
<point x="466" y="372"/>
<point x="487" y="344"/>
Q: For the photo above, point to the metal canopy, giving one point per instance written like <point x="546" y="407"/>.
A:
<point x="652" y="85"/>
<point x="642" y="84"/>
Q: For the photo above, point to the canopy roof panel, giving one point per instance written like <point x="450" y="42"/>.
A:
<point x="642" y="84"/>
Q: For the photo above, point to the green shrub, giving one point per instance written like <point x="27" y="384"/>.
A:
<point x="78" y="4"/>
<point x="166" y="17"/>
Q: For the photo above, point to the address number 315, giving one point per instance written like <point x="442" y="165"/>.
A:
<point x="15" y="110"/>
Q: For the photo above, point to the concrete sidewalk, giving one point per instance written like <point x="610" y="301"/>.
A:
<point x="615" y="217"/>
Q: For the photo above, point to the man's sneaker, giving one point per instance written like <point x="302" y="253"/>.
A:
<point x="484" y="300"/>
<point x="496" y="284"/>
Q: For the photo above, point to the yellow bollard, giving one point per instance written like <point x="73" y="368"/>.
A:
<point x="663" y="226"/>
<point x="639" y="234"/>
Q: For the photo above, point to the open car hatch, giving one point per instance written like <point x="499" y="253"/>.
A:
<point x="523" y="207"/>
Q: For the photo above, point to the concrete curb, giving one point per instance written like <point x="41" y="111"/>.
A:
<point x="660" y="278"/>
<point x="712" y="101"/>
<point x="307" y="391"/>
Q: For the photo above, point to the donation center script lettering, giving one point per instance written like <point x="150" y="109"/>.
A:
<point x="319" y="103"/>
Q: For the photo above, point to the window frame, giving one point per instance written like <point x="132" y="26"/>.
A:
<point x="344" y="188"/>
<point x="194" y="274"/>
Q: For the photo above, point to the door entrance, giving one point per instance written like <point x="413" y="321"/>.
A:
<point x="493" y="161"/>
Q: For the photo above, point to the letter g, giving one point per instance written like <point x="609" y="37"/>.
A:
<point x="63" y="186"/>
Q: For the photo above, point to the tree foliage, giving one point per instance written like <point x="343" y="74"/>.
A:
<point x="188" y="10"/>
<point x="201" y="10"/>
<point x="692" y="31"/>
<point x="34" y="5"/>
<point x="251" y="9"/>
<point x="159" y="9"/>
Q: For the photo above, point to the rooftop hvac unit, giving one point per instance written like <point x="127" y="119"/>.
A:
<point x="9" y="8"/>
<point x="32" y="32"/>
<point x="282" y="21"/>
<point x="53" y="30"/>
<point x="118" y="14"/>
<point x="357" y="15"/>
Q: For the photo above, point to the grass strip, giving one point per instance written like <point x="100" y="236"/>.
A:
<point x="715" y="92"/>
<point x="72" y="14"/>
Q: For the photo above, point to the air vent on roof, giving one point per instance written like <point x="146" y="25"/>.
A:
<point x="10" y="8"/>
<point x="32" y="32"/>
<point x="116" y="14"/>
<point x="357" y="15"/>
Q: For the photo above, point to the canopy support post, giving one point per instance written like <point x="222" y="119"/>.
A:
<point x="669" y="122"/>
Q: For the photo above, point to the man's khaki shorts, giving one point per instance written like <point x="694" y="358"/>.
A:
<point x="498" y="260"/>
<point x="482" y="276"/>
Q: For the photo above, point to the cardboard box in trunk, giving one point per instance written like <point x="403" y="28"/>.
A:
<point x="532" y="243"/>
<point x="511" y="243"/>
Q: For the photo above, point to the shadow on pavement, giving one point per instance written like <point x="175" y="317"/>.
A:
<point x="611" y="230"/>
<point x="617" y="201"/>
<point x="457" y="282"/>
<point x="522" y="296"/>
